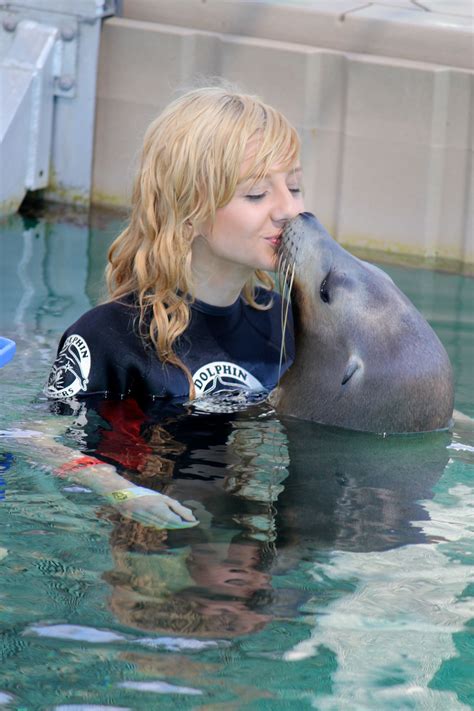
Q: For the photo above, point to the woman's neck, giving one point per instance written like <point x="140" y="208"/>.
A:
<point x="216" y="281"/>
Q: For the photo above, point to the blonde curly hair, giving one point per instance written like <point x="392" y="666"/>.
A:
<point x="190" y="167"/>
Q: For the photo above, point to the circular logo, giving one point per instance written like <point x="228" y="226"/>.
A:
<point x="70" y="372"/>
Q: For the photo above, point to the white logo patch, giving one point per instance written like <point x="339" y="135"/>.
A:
<point x="70" y="372"/>
<point x="223" y="375"/>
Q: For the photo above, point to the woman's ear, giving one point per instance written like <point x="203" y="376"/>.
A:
<point x="192" y="231"/>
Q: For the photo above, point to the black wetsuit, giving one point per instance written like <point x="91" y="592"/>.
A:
<point x="233" y="347"/>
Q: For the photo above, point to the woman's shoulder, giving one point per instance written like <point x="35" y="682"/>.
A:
<point x="109" y="315"/>
<point x="96" y="353"/>
<point x="105" y="327"/>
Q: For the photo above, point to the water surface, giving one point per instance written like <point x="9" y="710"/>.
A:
<point x="330" y="570"/>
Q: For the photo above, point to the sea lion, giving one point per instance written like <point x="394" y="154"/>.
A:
<point x="366" y="359"/>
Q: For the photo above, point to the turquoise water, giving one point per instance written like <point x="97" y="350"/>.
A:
<point x="330" y="570"/>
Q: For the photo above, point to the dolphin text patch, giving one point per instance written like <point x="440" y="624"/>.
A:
<point x="223" y="375"/>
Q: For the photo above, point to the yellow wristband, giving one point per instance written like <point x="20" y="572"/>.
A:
<point x="132" y="492"/>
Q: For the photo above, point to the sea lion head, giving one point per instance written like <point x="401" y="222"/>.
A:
<point x="366" y="359"/>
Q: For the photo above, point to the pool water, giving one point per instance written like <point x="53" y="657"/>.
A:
<point x="330" y="569"/>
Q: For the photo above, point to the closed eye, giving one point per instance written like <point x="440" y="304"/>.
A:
<point x="255" y="198"/>
<point x="260" y="196"/>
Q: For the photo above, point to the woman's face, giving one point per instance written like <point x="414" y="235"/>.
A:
<point x="246" y="232"/>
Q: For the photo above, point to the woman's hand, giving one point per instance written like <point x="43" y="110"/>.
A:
<point x="151" y="508"/>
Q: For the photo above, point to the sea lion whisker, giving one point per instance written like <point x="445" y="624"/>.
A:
<point x="280" y="269"/>
<point x="284" y="291"/>
<point x="283" y="269"/>
<point x="285" y="311"/>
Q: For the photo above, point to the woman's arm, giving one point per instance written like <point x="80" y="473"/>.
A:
<point x="139" y="503"/>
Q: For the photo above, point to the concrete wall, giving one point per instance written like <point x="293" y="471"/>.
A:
<point x="387" y="138"/>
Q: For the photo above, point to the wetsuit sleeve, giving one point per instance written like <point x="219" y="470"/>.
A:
<point x="101" y="354"/>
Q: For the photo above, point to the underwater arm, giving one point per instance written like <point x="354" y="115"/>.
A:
<point x="139" y="503"/>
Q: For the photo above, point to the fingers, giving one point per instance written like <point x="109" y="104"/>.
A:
<point x="180" y="510"/>
<point x="161" y="520"/>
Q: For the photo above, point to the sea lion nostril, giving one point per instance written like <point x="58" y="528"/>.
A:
<point x="352" y="366"/>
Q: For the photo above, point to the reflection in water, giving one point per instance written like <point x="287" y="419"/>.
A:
<point x="356" y="491"/>
<point x="51" y="269"/>
<point x="396" y="629"/>
<point x="50" y="275"/>
<point x="267" y="494"/>
<point x="205" y="590"/>
<point x="214" y="580"/>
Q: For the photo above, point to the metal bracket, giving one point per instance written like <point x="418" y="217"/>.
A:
<point x="67" y="18"/>
<point x="70" y="32"/>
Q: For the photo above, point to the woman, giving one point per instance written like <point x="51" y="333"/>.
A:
<point x="191" y="308"/>
<point x="218" y="180"/>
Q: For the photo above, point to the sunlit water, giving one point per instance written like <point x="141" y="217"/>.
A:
<point x="330" y="570"/>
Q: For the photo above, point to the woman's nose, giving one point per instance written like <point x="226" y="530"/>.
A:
<point x="286" y="206"/>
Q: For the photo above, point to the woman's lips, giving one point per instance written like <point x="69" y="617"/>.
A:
<point x="274" y="240"/>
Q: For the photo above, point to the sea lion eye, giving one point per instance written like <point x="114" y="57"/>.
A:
<point x="324" y="291"/>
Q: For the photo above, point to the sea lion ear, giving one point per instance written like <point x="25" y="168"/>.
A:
<point x="352" y="366"/>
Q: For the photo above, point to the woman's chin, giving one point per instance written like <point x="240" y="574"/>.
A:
<point x="272" y="265"/>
